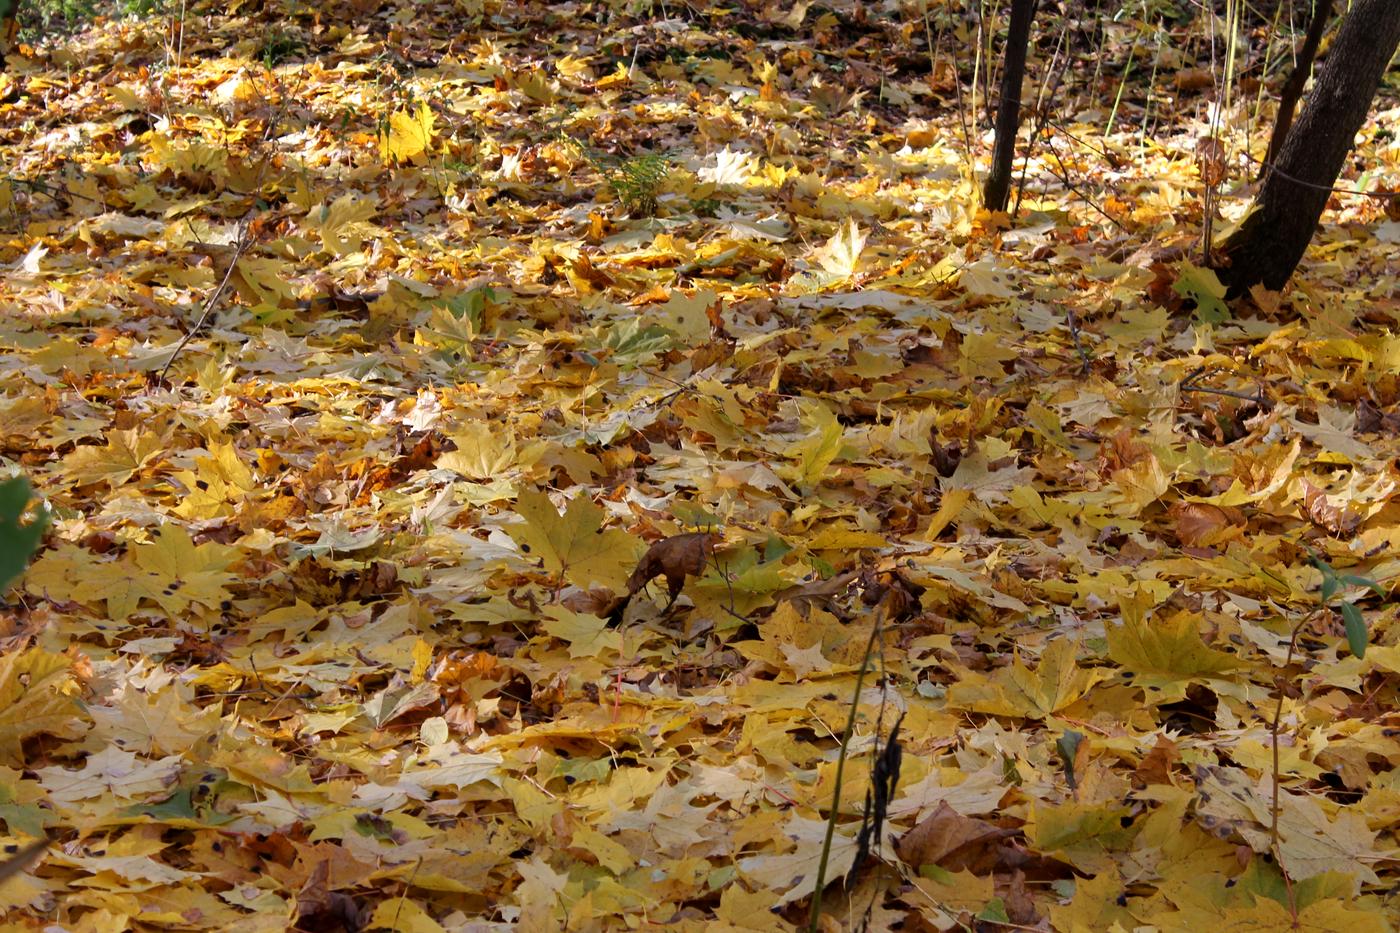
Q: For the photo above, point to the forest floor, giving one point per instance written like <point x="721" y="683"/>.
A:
<point x="329" y="629"/>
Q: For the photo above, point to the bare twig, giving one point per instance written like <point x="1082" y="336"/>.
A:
<point x="1273" y="739"/>
<point x="1069" y="185"/>
<point x="1347" y="192"/>
<point x="1085" y="361"/>
<point x="244" y="241"/>
<point x="933" y="49"/>
<point x="1191" y="383"/>
<point x="23" y="859"/>
<point x="814" y="917"/>
<point x="1047" y="90"/>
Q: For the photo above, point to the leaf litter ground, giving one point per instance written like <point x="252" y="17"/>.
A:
<point x="333" y="627"/>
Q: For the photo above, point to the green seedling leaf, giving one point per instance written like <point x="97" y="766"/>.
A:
<point x="1355" y="628"/>
<point x="995" y="912"/>
<point x="1329" y="584"/>
<point x="1352" y="579"/>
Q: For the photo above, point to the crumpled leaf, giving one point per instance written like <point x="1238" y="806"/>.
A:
<point x="674" y="558"/>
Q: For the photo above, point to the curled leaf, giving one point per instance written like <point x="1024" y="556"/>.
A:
<point x="673" y="558"/>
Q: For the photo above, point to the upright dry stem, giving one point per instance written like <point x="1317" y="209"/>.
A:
<point x="815" y="915"/>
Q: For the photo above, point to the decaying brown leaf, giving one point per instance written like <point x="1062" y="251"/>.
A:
<point x="953" y="842"/>
<point x="674" y="558"/>
<point x="819" y="594"/>
<point x="1200" y="524"/>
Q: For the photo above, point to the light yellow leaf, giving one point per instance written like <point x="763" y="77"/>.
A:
<point x="1080" y="834"/>
<point x="408" y="135"/>
<point x="587" y="635"/>
<point x="839" y="255"/>
<point x="795" y="873"/>
<point x="483" y="452"/>
<point x="574" y="544"/>
<point x="124" y="455"/>
<point x="111" y="771"/>
<point x="403" y="915"/>
<point x="1056" y="682"/>
<point x="1165" y="654"/>
<point x="37" y="695"/>
<point x="183" y="573"/>
<point x="982" y="356"/>
<point x="823" y="444"/>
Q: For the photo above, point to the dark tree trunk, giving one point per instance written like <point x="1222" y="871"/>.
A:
<point x="1293" y="88"/>
<point x="9" y="27"/>
<point x="997" y="190"/>
<point x="1269" y="244"/>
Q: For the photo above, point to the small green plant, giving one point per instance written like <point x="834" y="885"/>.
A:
<point x="634" y="182"/>
<point x="706" y="207"/>
<point x="141" y="7"/>
<point x="278" y="45"/>
<point x="1357" y="637"/>
<point x="43" y="18"/>
<point x="1352" y="622"/>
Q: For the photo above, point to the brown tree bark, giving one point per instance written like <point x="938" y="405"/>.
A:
<point x="9" y="28"/>
<point x="997" y="190"/>
<point x="1293" y="87"/>
<point x="1274" y="236"/>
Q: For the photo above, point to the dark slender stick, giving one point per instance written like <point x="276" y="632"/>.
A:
<point x="815" y="916"/>
<point x="244" y="241"/>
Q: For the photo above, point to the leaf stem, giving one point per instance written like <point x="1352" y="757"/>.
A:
<point x="816" y="911"/>
<point x="1273" y="740"/>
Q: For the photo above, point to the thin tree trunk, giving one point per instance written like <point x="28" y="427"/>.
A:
<point x="1293" y="88"/>
<point x="9" y="28"/>
<point x="1274" y="236"/>
<point x="997" y="189"/>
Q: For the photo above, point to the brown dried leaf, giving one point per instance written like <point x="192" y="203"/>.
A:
<point x="1334" y="518"/>
<point x="1200" y="524"/>
<point x="952" y="841"/>
<point x="673" y="558"/>
<point x="1156" y="765"/>
<point x="819" y="593"/>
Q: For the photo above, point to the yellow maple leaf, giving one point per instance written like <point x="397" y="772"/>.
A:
<point x="838" y="256"/>
<point x="1080" y="834"/>
<point x="35" y="697"/>
<point x="124" y="455"/>
<point x="573" y="545"/>
<point x="343" y="224"/>
<point x="482" y="452"/>
<point x="409" y="134"/>
<point x="187" y="573"/>
<point x="982" y="355"/>
<point x="795" y="873"/>
<point x="171" y="571"/>
<point x="1166" y="654"/>
<point x="821" y="447"/>
<point x="1019" y="691"/>
<point x="587" y="635"/>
